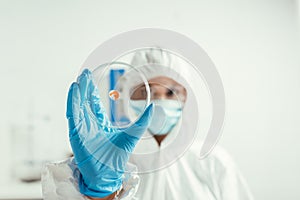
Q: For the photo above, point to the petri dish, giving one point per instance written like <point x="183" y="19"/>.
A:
<point x="109" y="79"/>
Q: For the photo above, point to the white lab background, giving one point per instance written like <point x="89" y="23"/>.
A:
<point x="254" y="44"/>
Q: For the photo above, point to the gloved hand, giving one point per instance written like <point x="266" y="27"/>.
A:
<point x="101" y="152"/>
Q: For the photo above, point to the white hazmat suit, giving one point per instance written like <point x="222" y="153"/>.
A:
<point x="171" y="170"/>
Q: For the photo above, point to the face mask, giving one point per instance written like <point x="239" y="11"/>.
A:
<point x="166" y="114"/>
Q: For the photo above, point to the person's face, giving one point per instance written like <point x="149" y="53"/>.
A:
<point x="161" y="88"/>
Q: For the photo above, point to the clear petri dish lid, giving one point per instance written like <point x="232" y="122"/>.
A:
<point x="113" y="85"/>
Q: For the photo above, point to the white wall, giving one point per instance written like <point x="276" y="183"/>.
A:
<point x="254" y="45"/>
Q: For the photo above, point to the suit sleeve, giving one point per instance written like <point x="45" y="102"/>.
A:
<point x="60" y="181"/>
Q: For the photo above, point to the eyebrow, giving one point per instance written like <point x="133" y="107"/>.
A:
<point x="144" y="87"/>
<point x="172" y="86"/>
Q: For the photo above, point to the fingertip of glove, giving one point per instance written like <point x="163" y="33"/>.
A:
<point x="85" y="73"/>
<point x="74" y="86"/>
<point x="147" y="115"/>
<point x="150" y="108"/>
<point x="73" y="97"/>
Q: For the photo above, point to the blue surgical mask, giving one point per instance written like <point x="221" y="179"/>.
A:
<point x="166" y="114"/>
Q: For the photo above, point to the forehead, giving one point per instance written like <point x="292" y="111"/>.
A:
<point x="160" y="81"/>
<point x="163" y="80"/>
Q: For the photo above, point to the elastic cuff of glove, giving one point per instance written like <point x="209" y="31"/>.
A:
<point x="100" y="193"/>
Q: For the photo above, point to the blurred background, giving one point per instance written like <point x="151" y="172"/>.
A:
<point x="254" y="45"/>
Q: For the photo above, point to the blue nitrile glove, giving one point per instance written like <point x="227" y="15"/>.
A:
<point x="100" y="152"/>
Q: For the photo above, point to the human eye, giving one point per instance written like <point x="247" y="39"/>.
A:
<point x="170" y="93"/>
<point x="143" y="92"/>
